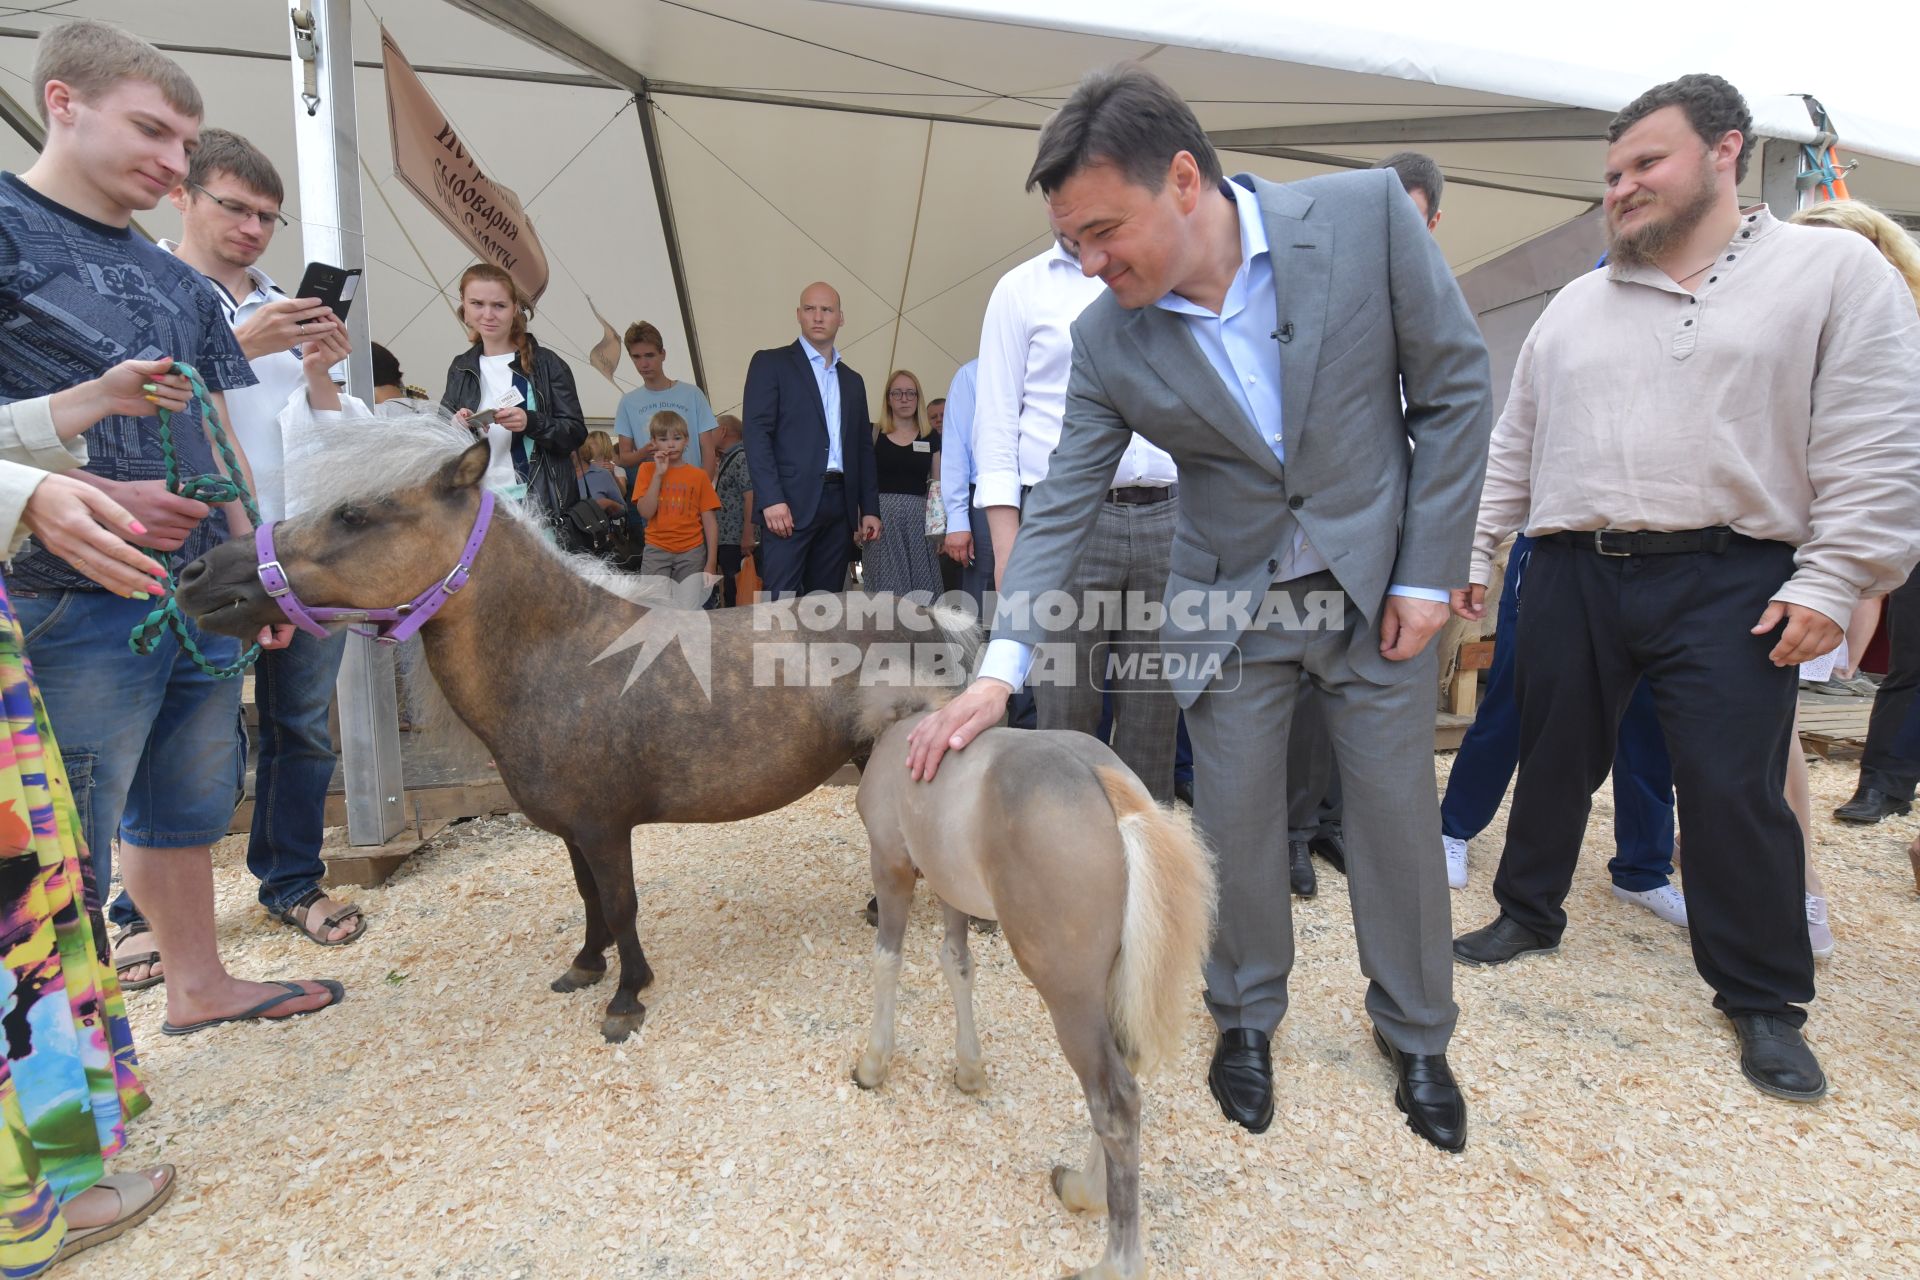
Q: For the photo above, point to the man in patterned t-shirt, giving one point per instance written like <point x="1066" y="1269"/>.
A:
<point x="151" y="744"/>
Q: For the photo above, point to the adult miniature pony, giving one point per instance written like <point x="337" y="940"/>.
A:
<point x="1106" y="899"/>
<point x="576" y="690"/>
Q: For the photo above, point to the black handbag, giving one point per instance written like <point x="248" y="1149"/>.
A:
<point x="586" y="524"/>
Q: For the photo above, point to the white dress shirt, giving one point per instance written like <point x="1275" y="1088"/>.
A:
<point x="1020" y="391"/>
<point x="255" y="411"/>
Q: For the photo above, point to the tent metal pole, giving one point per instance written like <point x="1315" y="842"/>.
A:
<point x="670" y="232"/>
<point x="326" y="141"/>
<point x="1781" y="163"/>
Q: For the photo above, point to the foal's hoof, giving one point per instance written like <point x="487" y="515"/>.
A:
<point x="1071" y="1186"/>
<point x="576" y="979"/>
<point x="1104" y="1270"/>
<point x="969" y="1077"/>
<point x="618" y="1026"/>
<point x="870" y="1072"/>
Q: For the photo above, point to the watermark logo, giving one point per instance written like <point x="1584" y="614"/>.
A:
<point x="1210" y="665"/>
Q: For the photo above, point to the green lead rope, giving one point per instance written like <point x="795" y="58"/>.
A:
<point x="212" y="490"/>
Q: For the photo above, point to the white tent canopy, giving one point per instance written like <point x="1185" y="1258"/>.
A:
<point x="882" y="146"/>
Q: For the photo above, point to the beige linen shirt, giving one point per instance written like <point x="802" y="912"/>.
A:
<point x="29" y="449"/>
<point x="1781" y="398"/>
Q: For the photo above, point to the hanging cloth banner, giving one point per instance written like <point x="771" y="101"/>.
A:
<point x="430" y="160"/>
<point x="606" y="353"/>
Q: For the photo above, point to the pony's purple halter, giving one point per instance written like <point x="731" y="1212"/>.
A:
<point x="396" y="623"/>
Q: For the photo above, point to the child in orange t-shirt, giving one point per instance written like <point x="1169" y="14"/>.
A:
<point x="678" y="503"/>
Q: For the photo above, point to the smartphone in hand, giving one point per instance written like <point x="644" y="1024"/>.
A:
<point x="334" y="286"/>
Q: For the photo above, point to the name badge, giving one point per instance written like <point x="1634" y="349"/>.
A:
<point x="511" y="400"/>
<point x="923" y="446"/>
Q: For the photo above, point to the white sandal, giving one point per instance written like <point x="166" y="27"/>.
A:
<point x="138" y="1200"/>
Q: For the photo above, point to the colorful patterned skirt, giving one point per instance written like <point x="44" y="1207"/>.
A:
<point x="68" y="1081"/>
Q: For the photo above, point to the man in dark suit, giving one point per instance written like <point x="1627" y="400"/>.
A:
<point x="1262" y="335"/>
<point x="814" y="489"/>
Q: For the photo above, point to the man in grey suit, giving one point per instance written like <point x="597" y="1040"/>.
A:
<point x="1262" y="335"/>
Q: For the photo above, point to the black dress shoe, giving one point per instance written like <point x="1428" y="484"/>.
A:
<point x="1425" y="1091"/>
<point x="1300" y="870"/>
<point x="1869" y="805"/>
<point x="1776" y="1059"/>
<point x="1331" y="844"/>
<point x="1241" y="1078"/>
<point x="1183" y="791"/>
<point x="1503" y="940"/>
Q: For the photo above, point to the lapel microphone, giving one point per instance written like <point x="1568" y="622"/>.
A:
<point x="1284" y="333"/>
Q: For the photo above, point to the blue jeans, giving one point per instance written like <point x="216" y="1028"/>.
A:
<point x="153" y="745"/>
<point x="292" y="766"/>
<point x="1489" y="754"/>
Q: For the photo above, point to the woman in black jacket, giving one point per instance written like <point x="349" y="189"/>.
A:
<point x="537" y="421"/>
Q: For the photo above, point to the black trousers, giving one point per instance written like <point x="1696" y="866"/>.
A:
<point x="1313" y="780"/>
<point x="730" y="559"/>
<point x="814" y="558"/>
<point x="1595" y="625"/>
<point x="1882" y="767"/>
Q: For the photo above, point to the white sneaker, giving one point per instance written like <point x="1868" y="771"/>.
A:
<point x="1456" y="862"/>
<point x="1817" y="931"/>
<point x="1666" y="902"/>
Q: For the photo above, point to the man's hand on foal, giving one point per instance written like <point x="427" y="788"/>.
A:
<point x="979" y="706"/>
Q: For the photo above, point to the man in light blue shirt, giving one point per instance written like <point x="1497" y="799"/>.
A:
<point x="1263" y="336"/>
<point x="972" y="549"/>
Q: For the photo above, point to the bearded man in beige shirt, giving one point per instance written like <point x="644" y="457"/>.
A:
<point x="1715" y="441"/>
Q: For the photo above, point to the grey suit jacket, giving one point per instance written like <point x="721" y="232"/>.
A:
<point x="1374" y="311"/>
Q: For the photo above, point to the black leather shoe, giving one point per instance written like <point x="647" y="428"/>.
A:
<point x="1241" y="1078"/>
<point x="1183" y="791"/>
<point x="1503" y="940"/>
<point x="1776" y="1059"/>
<point x="1427" y="1093"/>
<point x="1300" y="870"/>
<point x="1869" y="805"/>
<point x="1331" y="844"/>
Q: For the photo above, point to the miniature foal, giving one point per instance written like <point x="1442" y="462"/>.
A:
<point x="1106" y="899"/>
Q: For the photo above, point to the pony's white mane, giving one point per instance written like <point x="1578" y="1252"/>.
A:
<point x="361" y="460"/>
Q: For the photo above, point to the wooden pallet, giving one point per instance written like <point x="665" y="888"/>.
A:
<point x="1834" y="728"/>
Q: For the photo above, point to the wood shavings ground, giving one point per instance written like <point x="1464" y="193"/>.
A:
<point x="455" y="1118"/>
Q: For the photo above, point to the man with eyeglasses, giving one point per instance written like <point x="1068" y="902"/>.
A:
<point x="229" y="210"/>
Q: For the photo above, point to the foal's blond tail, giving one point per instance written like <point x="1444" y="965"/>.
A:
<point x="1168" y="927"/>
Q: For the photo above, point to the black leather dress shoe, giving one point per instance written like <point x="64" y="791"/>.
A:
<point x="1183" y="791"/>
<point x="1503" y="940"/>
<point x="1425" y="1090"/>
<point x="1241" y="1078"/>
<point x="1300" y="870"/>
<point x="1869" y="805"/>
<point x="1331" y="844"/>
<point x="1776" y="1059"/>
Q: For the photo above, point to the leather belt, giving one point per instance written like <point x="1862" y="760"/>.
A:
<point x="1143" y="495"/>
<point x="834" y="477"/>
<point x="1629" y="542"/>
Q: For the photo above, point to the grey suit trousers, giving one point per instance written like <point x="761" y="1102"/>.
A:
<point x="1383" y="739"/>
<point x="1313" y="783"/>
<point x="1126" y="551"/>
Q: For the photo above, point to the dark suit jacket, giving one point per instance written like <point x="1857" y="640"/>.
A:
<point x="786" y="434"/>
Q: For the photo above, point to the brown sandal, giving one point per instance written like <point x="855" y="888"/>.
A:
<point x="123" y="963"/>
<point x="138" y="1200"/>
<point x="295" y="914"/>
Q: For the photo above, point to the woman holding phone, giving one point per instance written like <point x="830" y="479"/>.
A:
<point x="522" y="393"/>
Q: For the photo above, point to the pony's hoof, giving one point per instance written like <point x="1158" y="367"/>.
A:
<point x="970" y="1077"/>
<point x="577" y="979"/>
<point x="870" y="1072"/>
<point x="1071" y="1186"/>
<point x="1104" y="1270"/>
<point x="619" y="1026"/>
